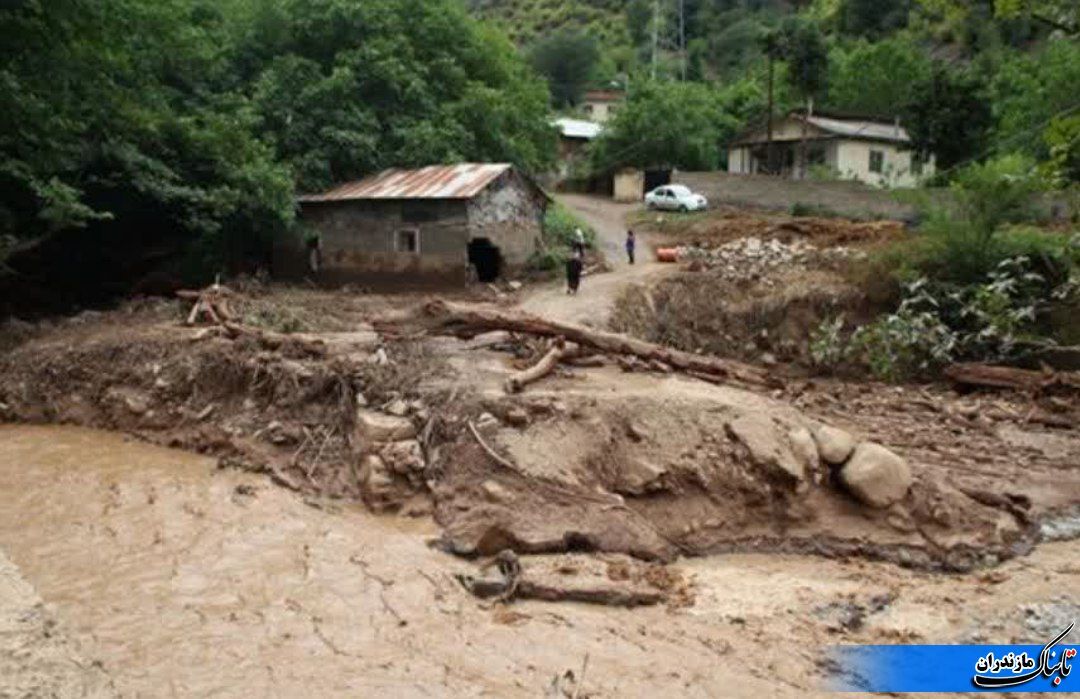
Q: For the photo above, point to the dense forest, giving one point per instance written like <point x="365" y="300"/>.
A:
<point x="156" y="140"/>
<point x="141" y="132"/>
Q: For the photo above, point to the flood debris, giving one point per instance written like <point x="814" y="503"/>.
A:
<point x="617" y="581"/>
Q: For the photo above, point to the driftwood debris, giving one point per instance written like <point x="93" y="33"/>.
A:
<point x="468" y="321"/>
<point x="537" y="371"/>
<point x="1004" y="377"/>
<point x="212" y="302"/>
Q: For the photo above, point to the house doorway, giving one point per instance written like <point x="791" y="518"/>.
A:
<point x="486" y="258"/>
<point x="656" y="178"/>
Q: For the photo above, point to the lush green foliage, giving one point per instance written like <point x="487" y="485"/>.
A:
<point x="560" y="233"/>
<point x="567" y="59"/>
<point x="665" y="123"/>
<point x="182" y="125"/>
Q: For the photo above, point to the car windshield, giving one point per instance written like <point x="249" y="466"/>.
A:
<point x="679" y="190"/>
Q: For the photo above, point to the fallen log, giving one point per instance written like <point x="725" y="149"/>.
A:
<point x="537" y="371"/>
<point x="468" y="321"/>
<point x="1004" y="377"/>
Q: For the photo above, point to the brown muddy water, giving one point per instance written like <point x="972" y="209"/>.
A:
<point x="181" y="579"/>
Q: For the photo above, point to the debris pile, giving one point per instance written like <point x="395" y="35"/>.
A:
<point x="752" y="259"/>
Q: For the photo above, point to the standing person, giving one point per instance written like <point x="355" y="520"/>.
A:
<point x="579" y="241"/>
<point x="573" y="273"/>
<point x="631" y="243"/>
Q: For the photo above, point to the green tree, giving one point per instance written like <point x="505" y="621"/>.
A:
<point x="874" y="18"/>
<point x="948" y="115"/>
<point x="665" y="124"/>
<point x="876" y="78"/>
<point x="567" y="59"/>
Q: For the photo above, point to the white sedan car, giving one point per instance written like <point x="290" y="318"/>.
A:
<point x="675" y="197"/>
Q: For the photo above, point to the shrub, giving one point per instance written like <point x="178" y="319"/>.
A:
<point x="560" y="224"/>
<point x="938" y="323"/>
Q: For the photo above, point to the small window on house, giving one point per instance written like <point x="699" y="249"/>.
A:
<point x="588" y="109"/>
<point x="877" y="161"/>
<point x="916" y="164"/>
<point x="407" y="241"/>
<point x="816" y="156"/>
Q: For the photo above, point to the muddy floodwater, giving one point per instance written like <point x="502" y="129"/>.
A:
<point x="177" y="578"/>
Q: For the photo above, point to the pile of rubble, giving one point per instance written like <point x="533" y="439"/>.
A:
<point x="752" y="259"/>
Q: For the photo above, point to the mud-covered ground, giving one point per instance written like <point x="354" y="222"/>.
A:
<point x="171" y="575"/>
<point x="608" y="481"/>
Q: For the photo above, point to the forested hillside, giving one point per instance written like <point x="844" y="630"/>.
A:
<point x="969" y="79"/>
<point x="137" y="132"/>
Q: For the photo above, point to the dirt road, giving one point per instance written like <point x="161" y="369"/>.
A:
<point x="593" y="304"/>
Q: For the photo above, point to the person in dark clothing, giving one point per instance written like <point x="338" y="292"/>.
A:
<point x="573" y="273"/>
<point x="631" y="243"/>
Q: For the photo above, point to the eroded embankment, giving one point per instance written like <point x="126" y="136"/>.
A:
<point x="600" y="460"/>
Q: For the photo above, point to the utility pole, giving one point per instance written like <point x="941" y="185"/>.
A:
<point x="655" y="34"/>
<point x="682" y="37"/>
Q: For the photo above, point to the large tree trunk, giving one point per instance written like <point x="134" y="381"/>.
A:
<point x="990" y="376"/>
<point x="468" y="321"/>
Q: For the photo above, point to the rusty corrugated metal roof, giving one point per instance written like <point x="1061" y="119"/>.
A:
<point x="462" y="181"/>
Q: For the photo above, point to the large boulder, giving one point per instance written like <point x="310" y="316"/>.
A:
<point x="766" y="446"/>
<point x="834" y="445"/>
<point x="376" y="427"/>
<point x="876" y="476"/>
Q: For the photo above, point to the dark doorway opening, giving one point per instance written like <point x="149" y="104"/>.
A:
<point x="656" y="178"/>
<point x="486" y="258"/>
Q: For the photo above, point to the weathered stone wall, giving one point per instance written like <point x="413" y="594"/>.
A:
<point x="509" y="213"/>
<point x="360" y="239"/>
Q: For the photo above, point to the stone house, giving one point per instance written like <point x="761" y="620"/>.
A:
<point x="601" y="105"/>
<point x="872" y="151"/>
<point x="435" y="225"/>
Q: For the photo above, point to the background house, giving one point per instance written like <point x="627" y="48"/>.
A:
<point x="574" y="136"/>
<point x="432" y="225"/>
<point x="601" y="105"/>
<point x="874" y="152"/>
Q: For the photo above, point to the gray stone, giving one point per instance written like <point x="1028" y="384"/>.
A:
<point x="766" y="446"/>
<point x="833" y="444"/>
<point x="397" y="408"/>
<point x="377" y="427"/>
<point x="495" y="492"/>
<point x="876" y="476"/>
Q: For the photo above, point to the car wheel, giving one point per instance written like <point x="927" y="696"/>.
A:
<point x="684" y="208"/>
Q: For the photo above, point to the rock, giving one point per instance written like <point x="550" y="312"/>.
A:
<point x="376" y="427"/>
<point x="638" y="476"/>
<point x="767" y="449"/>
<point x="379" y="487"/>
<point x="514" y="285"/>
<point x="876" y="476"/>
<point x="486" y="421"/>
<point x="403" y="457"/>
<point x="518" y="417"/>
<point x="397" y="408"/>
<point x="361" y="400"/>
<point x="805" y="450"/>
<point x="495" y="492"/>
<point x="833" y="444"/>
